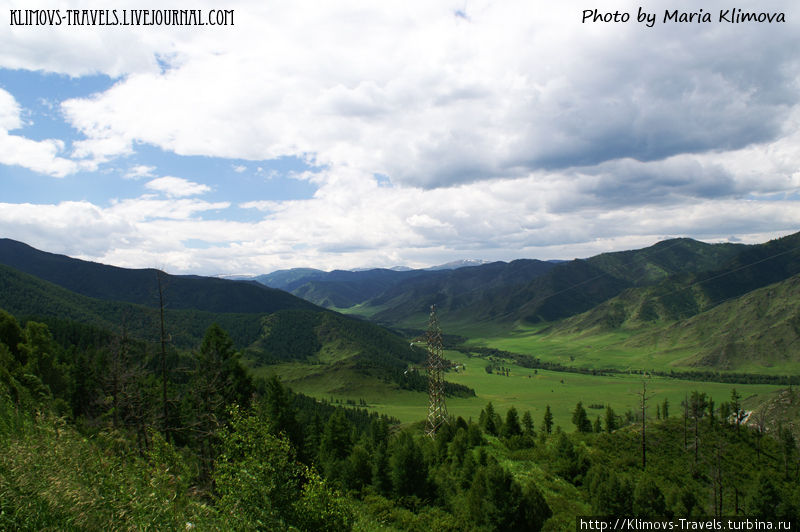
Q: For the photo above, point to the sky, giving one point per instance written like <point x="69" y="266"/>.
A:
<point x="353" y="134"/>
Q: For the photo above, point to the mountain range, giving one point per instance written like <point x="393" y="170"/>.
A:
<point x="680" y="294"/>
<point x="528" y="290"/>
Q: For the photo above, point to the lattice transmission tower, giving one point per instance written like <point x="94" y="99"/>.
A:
<point x="437" y="409"/>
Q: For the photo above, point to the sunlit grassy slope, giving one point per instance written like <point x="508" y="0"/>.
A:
<point x="524" y="388"/>
<point x="756" y="333"/>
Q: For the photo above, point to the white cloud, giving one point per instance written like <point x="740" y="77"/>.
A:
<point x="383" y="227"/>
<point x="177" y="186"/>
<point x="139" y="171"/>
<point x="508" y="130"/>
<point x="431" y="99"/>
<point x="148" y="208"/>
<point x="40" y="156"/>
<point x="10" y="112"/>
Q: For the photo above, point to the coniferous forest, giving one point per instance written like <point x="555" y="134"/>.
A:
<point x="348" y="266"/>
<point x="121" y="416"/>
<point x="88" y="442"/>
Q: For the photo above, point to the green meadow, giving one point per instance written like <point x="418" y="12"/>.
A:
<point x="620" y="350"/>
<point x="523" y="388"/>
<point x="598" y="351"/>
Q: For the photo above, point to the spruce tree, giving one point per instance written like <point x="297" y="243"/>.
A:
<point x="511" y="427"/>
<point x="547" y="423"/>
<point x="611" y="419"/>
<point x="736" y="408"/>
<point x="580" y="419"/>
<point x="527" y="423"/>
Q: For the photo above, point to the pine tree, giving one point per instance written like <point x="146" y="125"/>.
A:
<point x="736" y="408"/>
<point x="698" y="404"/>
<point x="580" y="419"/>
<point x="611" y="419"/>
<point x="711" y="417"/>
<point x="788" y="446"/>
<point x="408" y="469"/>
<point x="547" y="423"/>
<point x="511" y="427"/>
<point x="527" y="423"/>
<point x="281" y="415"/>
<point x="648" y="499"/>
<point x="218" y="381"/>
<point x="643" y="396"/>
<point x="489" y="418"/>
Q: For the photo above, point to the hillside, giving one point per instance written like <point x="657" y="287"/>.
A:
<point x="532" y="291"/>
<point x="140" y="286"/>
<point x="324" y="353"/>
<point x="739" y="314"/>
<point x="404" y="293"/>
<point x="24" y="295"/>
<point x="470" y="293"/>
<point x="760" y="329"/>
<point x="758" y="332"/>
<point x="273" y="330"/>
<point x="535" y="291"/>
<point x="344" y="289"/>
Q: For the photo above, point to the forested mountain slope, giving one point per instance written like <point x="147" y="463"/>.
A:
<point x="28" y="296"/>
<point x="299" y="332"/>
<point x="533" y="291"/>
<point x="140" y="286"/>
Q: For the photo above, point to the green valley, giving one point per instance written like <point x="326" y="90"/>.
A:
<point x="256" y="409"/>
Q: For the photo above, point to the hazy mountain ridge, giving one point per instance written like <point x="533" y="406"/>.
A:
<point x="677" y="294"/>
<point x="524" y="289"/>
<point x="347" y="288"/>
<point x="682" y="296"/>
<point x="24" y="295"/>
<point x="270" y="325"/>
<point x="140" y="286"/>
<point x="520" y="292"/>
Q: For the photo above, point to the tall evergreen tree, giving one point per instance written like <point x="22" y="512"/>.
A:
<point x="527" y="423"/>
<point x="336" y="442"/>
<point x="408" y="469"/>
<point x="489" y="419"/>
<point x="611" y="419"/>
<point x="711" y="408"/>
<point x="280" y="413"/>
<point x="547" y="422"/>
<point x="648" y="499"/>
<point x="511" y="427"/>
<point x="736" y="408"/>
<point x="580" y="419"/>
<point x="698" y="403"/>
<point x="217" y="382"/>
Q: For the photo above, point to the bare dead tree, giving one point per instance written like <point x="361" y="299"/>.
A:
<point x="164" y="401"/>
<point x="126" y="391"/>
<point x="643" y="398"/>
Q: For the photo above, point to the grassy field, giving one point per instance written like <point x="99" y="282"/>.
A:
<point x="619" y="349"/>
<point x="526" y="389"/>
<point x="599" y="351"/>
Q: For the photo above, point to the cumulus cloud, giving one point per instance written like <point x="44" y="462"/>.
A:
<point x="431" y="99"/>
<point x="380" y="226"/>
<point x="501" y="129"/>
<point x="177" y="186"/>
<point x="140" y="171"/>
<point x="40" y="156"/>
